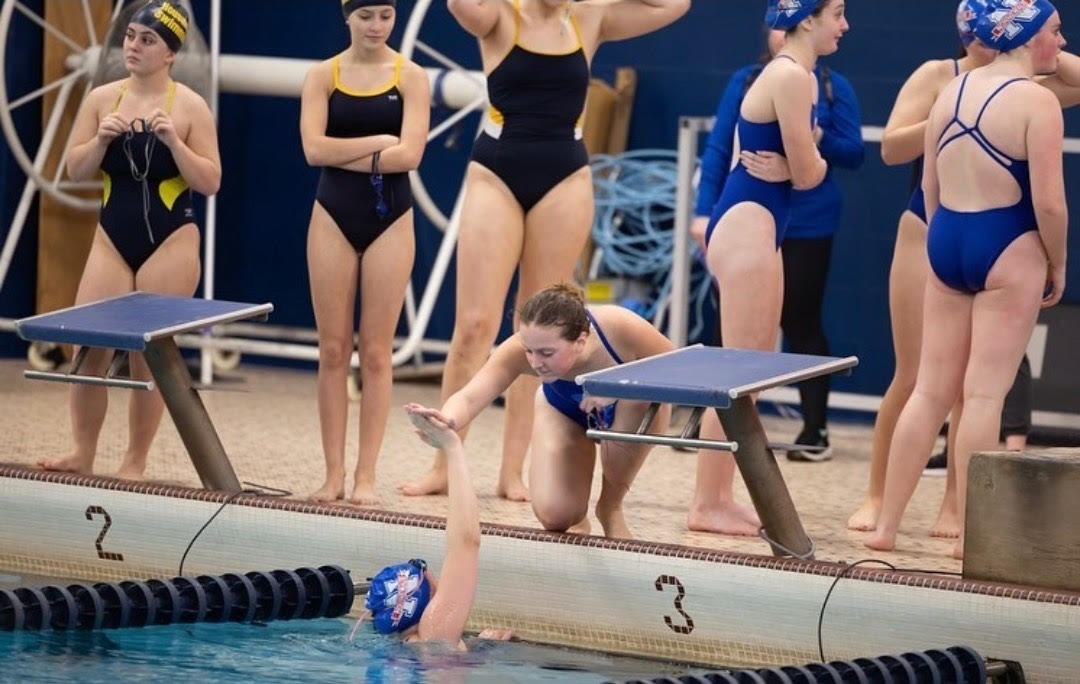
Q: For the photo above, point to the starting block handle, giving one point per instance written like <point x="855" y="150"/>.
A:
<point x="54" y="376"/>
<point x="661" y="440"/>
<point x="692" y="422"/>
<point x="647" y="419"/>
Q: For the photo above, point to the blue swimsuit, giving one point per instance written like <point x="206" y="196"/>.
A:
<point x="740" y="186"/>
<point x="566" y="395"/>
<point x="917" y="202"/>
<point x="963" y="245"/>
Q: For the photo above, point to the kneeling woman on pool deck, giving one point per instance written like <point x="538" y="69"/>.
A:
<point x="559" y="339"/>
<point x="404" y="598"/>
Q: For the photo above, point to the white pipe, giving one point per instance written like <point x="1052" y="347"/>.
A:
<point x="434" y="282"/>
<point x="206" y="365"/>
<point x="680" y="259"/>
<point x="284" y="77"/>
<point x="690" y="127"/>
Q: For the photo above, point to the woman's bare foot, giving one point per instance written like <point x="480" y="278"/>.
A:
<point x="613" y="521"/>
<point x="881" y="541"/>
<point x="332" y="490"/>
<point x="865" y="519"/>
<point x="725" y="518"/>
<point x="363" y="494"/>
<point x="947" y="525"/>
<point x="81" y="465"/>
<point x="131" y="472"/>
<point x="583" y="527"/>
<point x="432" y="483"/>
<point x="512" y="489"/>
<point x="958" y="549"/>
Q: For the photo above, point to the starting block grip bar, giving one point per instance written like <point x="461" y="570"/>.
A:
<point x="54" y="376"/>
<point x="661" y="440"/>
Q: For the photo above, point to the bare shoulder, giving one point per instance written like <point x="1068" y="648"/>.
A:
<point x="105" y="94"/>
<point x="622" y="325"/>
<point x="412" y="73"/>
<point x="321" y="72"/>
<point x="786" y="75"/>
<point x="189" y="99"/>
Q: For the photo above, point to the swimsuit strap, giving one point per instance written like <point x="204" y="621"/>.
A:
<point x="956" y="67"/>
<point x="517" y="20"/>
<point x="974" y="131"/>
<point x="120" y="95"/>
<point x="397" y="69"/>
<point x="577" y="29"/>
<point x="603" y="338"/>
<point x="169" y="99"/>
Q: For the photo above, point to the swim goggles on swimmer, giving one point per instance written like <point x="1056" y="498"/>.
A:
<point x="140" y="176"/>
<point x="381" y="210"/>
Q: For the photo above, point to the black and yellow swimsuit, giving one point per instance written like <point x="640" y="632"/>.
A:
<point x="531" y="135"/>
<point x="145" y="198"/>
<point x="364" y="205"/>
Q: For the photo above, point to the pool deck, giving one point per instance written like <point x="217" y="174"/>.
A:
<point x="268" y="421"/>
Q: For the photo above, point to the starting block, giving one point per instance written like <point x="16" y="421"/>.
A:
<point x="724" y="380"/>
<point x="146" y="323"/>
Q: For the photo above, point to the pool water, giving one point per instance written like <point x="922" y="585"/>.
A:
<point x="300" y="651"/>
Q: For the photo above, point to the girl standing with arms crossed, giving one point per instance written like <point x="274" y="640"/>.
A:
<point x="364" y="119"/>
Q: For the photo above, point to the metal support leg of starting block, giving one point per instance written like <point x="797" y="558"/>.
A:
<point x="764" y="480"/>
<point x="188" y="413"/>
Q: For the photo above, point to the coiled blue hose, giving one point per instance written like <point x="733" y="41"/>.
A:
<point x="633" y="227"/>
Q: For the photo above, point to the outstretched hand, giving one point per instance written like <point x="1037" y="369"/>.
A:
<point x="432" y="427"/>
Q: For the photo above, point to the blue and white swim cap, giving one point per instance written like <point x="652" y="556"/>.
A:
<point x="398" y="596"/>
<point x="1008" y="24"/>
<point x="967" y="16"/>
<point x="785" y="15"/>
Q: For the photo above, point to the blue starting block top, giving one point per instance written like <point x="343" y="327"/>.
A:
<point x="130" y="321"/>
<point x="707" y="376"/>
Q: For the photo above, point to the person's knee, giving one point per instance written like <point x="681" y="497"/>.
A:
<point x="558" y="516"/>
<point x="375" y="359"/>
<point x="335" y="352"/>
<point x="476" y="329"/>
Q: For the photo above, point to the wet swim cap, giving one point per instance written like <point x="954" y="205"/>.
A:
<point x="786" y="14"/>
<point x="967" y="16"/>
<point x="168" y="20"/>
<point x="350" y="6"/>
<point x="1008" y="24"/>
<point x="398" y="596"/>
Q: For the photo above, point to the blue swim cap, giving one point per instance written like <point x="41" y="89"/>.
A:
<point x="1008" y="24"/>
<point x="785" y="15"/>
<point x="398" y="596"/>
<point x="967" y="16"/>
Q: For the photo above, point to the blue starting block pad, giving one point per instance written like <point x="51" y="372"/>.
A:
<point x="147" y="323"/>
<point x="723" y="380"/>
<point x="707" y="376"/>
<point x="132" y="320"/>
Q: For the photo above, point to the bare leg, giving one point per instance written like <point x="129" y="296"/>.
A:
<point x="621" y="462"/>
<point x="749" y="272"/>
<point x="106" y="274"/>
<point x="566" y="211"/>
<point x="488" y="252"/>
<point x="332" y="271"/>
<point x="173" y="269"/>
<point x="947" y="524"/>
<point x="945" y="345"/>
<point x="561" y="469"/>
<point x="907" y="285"/>
<point x="384" y="276"/>
<point x="1003" y="317"/>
